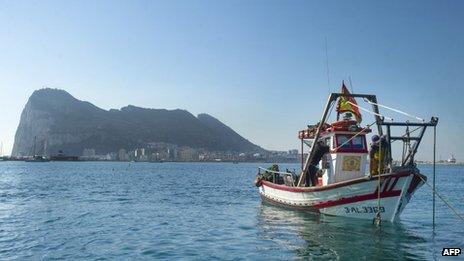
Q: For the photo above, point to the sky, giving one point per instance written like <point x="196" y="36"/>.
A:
<point x="258" y="66"/>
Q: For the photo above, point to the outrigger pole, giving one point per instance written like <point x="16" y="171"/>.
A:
<point x="409" y="158"/>
<point x="318" y="132"/>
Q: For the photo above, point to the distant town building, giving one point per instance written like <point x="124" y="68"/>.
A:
<point x="188" y="154"/>
<point x="89" y="153"/>
<point x="122" y="155"/>
<point x="293" y="152"/>
<point x="139" y="153"/>
<point x="203" y="157"/>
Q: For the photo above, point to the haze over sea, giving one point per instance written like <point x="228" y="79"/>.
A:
<point x="108" y="211"/>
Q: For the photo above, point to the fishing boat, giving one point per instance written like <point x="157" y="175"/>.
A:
<point x="38" y="158"/>
<point x="451" y="160"/>
<point x="350" y="182"/>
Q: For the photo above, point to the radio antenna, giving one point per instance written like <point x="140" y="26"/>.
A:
<point x="351" y="84"/>
<point x="327" y="64"/>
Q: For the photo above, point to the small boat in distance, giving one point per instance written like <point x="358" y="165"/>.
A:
<point x="451" y="160"/>
<point x="37" y="157"/>
<point x="346" y="183"/>
<point x="61" y="156"/>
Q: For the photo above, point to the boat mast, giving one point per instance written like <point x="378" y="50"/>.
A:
<point x="378" y="119"/>
<point x="45" y="147"/>
<point x="333" y="96"/>
<point x="35" y="139"/>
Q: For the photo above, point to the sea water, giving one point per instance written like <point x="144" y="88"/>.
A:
<point x="198" y="211"/>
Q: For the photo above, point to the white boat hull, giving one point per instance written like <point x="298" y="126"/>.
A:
<point x="356" y="198"/>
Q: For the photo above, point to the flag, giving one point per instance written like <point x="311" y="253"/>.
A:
<point x="344" y="104"/>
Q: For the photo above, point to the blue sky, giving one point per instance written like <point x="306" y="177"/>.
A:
<point x="258" y="66"/>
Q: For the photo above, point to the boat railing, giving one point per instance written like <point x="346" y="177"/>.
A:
<point x="280" y="177"/>
<point x="274" y="172"/>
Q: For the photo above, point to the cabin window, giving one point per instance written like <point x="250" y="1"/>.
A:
<point x="356" y="143"/>
<point x="327" y="141"/>
<point x="342" y="141"/>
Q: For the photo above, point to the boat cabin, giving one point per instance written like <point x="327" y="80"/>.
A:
<point x="348" y="155"/>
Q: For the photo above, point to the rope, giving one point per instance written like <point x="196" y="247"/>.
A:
<point x="444" y="201"/>
<point x="395" y="110"/>
<point x="371" y="112"/>
<point x="434" y="165"/>
<point x="378" y="218"/>
<point x="354" y="136"/>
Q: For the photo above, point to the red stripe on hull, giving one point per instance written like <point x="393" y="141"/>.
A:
<point x="327" y="204"/>
<point x="331" y="186"/>
<point x="344" y="201"/>
<point x="416" y="180"/>
<point x="387" y="183"/>
<point x="394" y="184"/>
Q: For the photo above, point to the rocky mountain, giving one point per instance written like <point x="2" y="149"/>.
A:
<point x="54" y="120"/>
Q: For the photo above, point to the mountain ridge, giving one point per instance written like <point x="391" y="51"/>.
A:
<point x="59" y="121"/>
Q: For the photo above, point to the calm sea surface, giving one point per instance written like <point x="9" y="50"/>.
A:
<point x="114" y="211"/>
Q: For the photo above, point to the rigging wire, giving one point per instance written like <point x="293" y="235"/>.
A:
<point x="443" y="199"/>
<point x="366" y="110"/>
<point x="408" y="133"/>
<point x="395" y="110"/>
<point x="432" y="187"/>
<point x="354" y="136"/>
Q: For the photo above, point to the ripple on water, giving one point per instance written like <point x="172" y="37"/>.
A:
<point x="98" y="211"/>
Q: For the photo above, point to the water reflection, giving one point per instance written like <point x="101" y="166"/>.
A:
<point x="319" y="236"/>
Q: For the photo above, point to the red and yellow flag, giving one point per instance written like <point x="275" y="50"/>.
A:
<point x="345" y="104"/>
